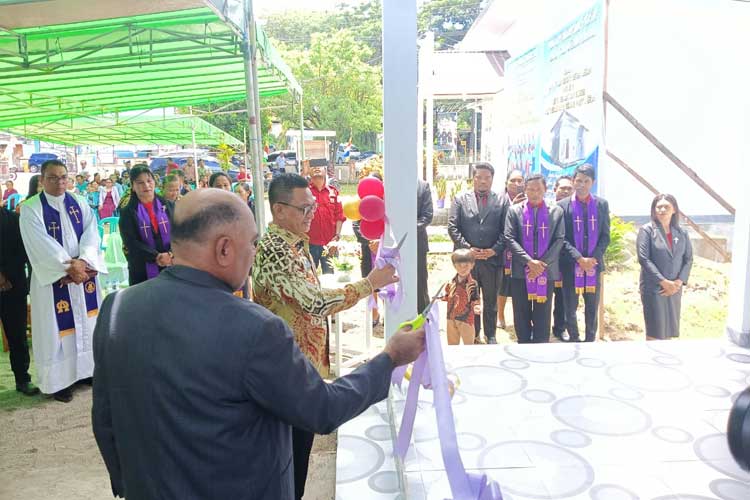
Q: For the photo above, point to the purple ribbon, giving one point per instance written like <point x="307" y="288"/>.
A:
<point x="429" y="371"/>
<point x="585" y="280"/>
<point x="392" y="294"/>
<point x="540" y="232"/>
<point x="146" y="232"/>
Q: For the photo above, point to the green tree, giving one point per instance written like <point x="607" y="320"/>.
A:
<point x="450" y="20"/>
<point x="343" y="92"/>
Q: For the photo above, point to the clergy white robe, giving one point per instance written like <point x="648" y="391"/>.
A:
<point x="60" y="361"/>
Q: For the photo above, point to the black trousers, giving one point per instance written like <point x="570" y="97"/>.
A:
<point x="302" y="442"/>
<point x="590" y="303"/>
<point x="531" y="319"/>
<point x="13" y="316"/>
<point x="558" y="313"/>
<point x="423" y="295"/>
<point x="316" y="251"/>
<point x="488" y="279"/>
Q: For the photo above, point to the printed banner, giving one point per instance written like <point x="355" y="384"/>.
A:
<point x="447" y="133"/>
<point x="555" y="120"/>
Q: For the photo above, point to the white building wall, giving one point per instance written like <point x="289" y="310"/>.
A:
<point x="679" y="66"/>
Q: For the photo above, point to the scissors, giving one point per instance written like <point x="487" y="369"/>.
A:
<point x="421" y="318"/>
<point x="401" y="241"/>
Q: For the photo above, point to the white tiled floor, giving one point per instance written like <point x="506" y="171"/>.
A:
<point x="603" y="421"/>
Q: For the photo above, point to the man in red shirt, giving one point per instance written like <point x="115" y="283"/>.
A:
<point x="242" y="176"/>
<point x="171" y="165"/>
<point x="326" y="225"/>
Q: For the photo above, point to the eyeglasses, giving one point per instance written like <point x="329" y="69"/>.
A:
<point x="306" y="210"/>
<point x="54" y="179"/>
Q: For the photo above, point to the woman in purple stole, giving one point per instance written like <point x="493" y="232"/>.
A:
<point x="145" y="224"/>
<point x="666" y="257"/>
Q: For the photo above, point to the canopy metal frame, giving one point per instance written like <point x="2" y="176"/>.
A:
<point x="181" y="58"/>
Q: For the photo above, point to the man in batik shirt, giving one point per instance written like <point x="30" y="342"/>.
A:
<point x="285" y="282"/>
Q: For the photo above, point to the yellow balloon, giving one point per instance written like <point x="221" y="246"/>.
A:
<point x="351" y="209"/>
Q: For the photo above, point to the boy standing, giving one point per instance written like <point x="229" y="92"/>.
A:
<point x="462" y="296"/>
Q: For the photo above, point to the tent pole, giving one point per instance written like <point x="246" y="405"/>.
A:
<point x="301" y="136"/>
<point x="195" y="159"/>
<point x="252" y="118"/>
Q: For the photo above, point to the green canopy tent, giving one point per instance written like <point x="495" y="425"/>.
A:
<point x="68" y="59"/>
<point x="109" y="130"/>
<point x="181" y="58"/>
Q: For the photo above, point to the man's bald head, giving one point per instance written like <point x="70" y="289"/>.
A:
<point x="213" y="230"/>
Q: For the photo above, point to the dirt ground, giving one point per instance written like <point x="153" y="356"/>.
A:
<point x="48" y="452"/>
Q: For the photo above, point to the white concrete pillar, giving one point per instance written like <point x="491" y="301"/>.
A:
<point x="429" y="50"/>
<point x="400" y="152"/>
<point x="738" y="319"/>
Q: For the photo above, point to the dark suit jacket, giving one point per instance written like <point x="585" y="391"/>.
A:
<point x="657" y="261"/>
<point x="469" y="226"/>
<point x="514" y="239"/>
<point x="424" y="215"/>
<point x="13" y="257"/>
<point x="195" y="391"/>
<point x="137" y="252"/>
<point x="570" y="254"/>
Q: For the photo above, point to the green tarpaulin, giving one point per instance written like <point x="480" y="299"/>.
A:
<point x="181" y="58"/>
<point x="134" y="130"/>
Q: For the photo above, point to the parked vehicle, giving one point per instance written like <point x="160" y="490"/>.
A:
<point x="342" y="155"/>
<point x="291" y="160"/>
<point x="36" y="160"/>
<point x="158" y="164"/>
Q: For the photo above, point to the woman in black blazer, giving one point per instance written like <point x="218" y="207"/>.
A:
<point x="666" y="257"/>
<point x="145" y="226"/>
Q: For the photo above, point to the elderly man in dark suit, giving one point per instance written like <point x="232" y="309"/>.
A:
<point x="424" y="219"/>
<point x="582" y="260"/>
<point x="477" y="221"/>
<point x="196" y="390"/>
<point x="535" y="233"/>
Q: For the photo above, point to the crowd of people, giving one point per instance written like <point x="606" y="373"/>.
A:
<point x="182" y="352"/>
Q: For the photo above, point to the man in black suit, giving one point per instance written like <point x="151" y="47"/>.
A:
<point x="424" y="219"/>
<point x="196" y="390"/>
<point x="13" y="291"/>
<point x="591" y="228"/>
<point x="563" y="190"/>
<point x="477" y="221"/>
<point x="531" y="311"/>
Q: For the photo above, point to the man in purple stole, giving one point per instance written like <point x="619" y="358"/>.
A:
<point x="61" y="238"/>
<point x="534" y="232"/>
<point x="582" y="261"/>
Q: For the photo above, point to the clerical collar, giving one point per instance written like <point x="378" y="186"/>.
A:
<point x="58" y="199"/>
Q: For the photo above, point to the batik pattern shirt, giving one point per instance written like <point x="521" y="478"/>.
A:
<point x="285" y="282"/>
<point x="462" y="297"/>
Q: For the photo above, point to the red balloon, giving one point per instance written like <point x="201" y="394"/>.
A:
<point x="372" y="229"/>
<point x="370" y="186"/>
<point x="372" y="208"/>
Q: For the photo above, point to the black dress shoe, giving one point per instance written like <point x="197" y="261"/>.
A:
<point x="491" y="340"/>
<point x="64" y="396"/>
<point x="27" y="389"/>
<point x="86" y="381"/>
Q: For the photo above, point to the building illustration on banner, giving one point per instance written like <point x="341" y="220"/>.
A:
<point x="568" y="138"/>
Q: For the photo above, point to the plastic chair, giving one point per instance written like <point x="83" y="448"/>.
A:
<point x="113" y="226"/>
<point x="13" y="200"/>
